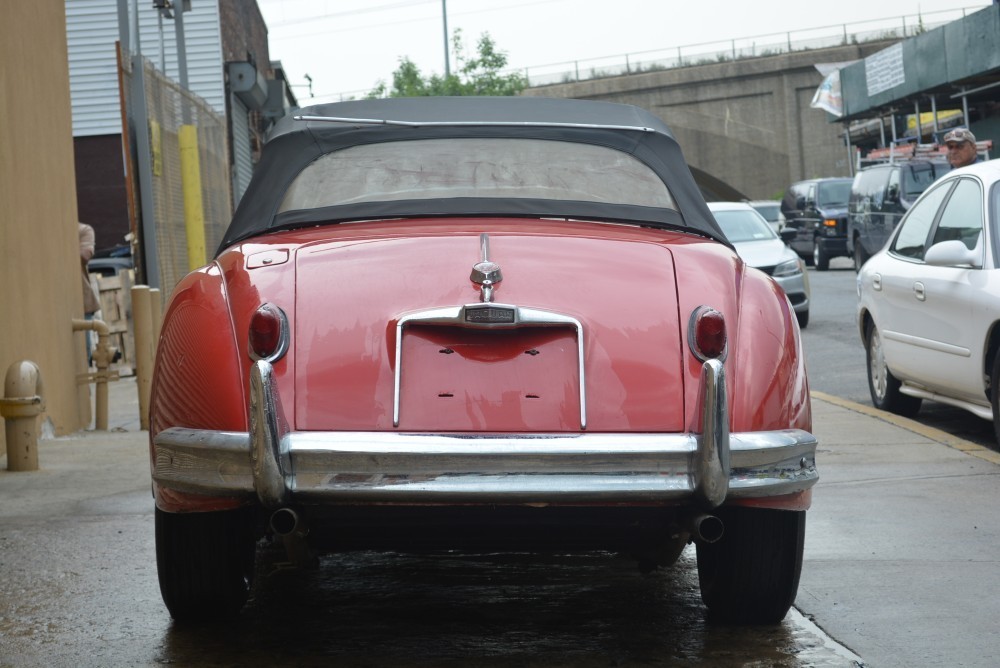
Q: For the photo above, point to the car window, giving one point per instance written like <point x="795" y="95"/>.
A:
<point x="893" y="186"/>
<point x="917" y="177"/>
<point x="962" y="216"/>
<point x="769" y="211"/>
<point x="916" y="226"/>
<point x="833" y="193"/>
<point x="476" y="167"/>
<point x="744" y="225"/>
<point x="870" y="183"/>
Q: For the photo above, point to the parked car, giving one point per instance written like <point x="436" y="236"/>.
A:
<point x="880" y="195"/>
<point x="771" y="210"/>
<point x="762" y="249"/>
<point x="929" y="303"/>
<point x="817" y="210"/>
<point x="109" y="266"/>
<point x="479" y="323"/>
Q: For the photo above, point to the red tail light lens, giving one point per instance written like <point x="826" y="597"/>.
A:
<point x="707" y="334"/>
<point x="268" y="333"/>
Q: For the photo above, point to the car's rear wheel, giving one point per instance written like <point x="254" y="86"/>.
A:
<point x="751" y="574"/>
<point x="820" y="257"/>
<point x="803" y="318"/>
<point x="883" y="386"/>
<point x="205" y="563"/>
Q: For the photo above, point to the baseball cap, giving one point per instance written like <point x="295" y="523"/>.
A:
<point x="960" y="135"/>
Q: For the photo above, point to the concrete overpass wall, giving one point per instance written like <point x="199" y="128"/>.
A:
<point x="747" y="123"/>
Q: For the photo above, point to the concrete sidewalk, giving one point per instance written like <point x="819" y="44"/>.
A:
<point x="901" y="562"/>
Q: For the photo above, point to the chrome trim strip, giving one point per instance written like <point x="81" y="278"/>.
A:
<point x="713" y="456"/>
<point x="270" y="460"/>
<point x="540" y="468"/>
<point x="929" y="344"/>
<point x="278" y="465"/>
<point x="455" y="316"/>
<point x="474" y="124"/>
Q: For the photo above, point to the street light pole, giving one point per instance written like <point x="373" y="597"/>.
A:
<point x="444" y="14"/>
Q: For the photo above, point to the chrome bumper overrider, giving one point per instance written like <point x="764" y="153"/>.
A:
<point x="280" y="466"/>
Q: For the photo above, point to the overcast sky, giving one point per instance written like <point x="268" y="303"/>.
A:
<point x="347" y="46"/>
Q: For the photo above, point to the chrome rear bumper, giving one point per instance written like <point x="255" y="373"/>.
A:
<point x="280" y="467"/>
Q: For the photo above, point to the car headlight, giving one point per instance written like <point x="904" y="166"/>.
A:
<point x="788" y="268"/>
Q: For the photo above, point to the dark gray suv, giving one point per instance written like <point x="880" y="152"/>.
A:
<point x="817" y="209"/>
<point x="880" y="195"/>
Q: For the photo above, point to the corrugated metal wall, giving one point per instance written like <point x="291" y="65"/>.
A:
<point x="91" y="32"/>
<point x="243" y="164"/>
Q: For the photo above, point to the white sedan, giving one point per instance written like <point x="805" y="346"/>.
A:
<point x="762" y="248"/>
<point x="929" y="302"/>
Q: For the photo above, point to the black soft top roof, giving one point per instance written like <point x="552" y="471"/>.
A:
<point x="294" y="144"/>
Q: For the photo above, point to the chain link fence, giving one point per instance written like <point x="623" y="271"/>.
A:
<point x="169" y="107"/>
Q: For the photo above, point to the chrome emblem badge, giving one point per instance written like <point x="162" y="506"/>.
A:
<point x="487" y="275"/>
<point x="493" y="315"/>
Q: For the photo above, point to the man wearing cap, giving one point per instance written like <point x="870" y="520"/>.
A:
<point x="961" y="148"/>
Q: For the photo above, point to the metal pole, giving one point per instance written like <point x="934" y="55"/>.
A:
<point x="934" y="115"/>
<point x="182" y="65"/>
<point x="850" y="149"/>
<point x="447" y="60"/>
<point x="123" y="28"/>
<point x="140" y="126"/>
<point x="920" y="126"/>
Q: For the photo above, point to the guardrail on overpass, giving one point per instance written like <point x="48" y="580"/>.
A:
<point x="570" y="71"/>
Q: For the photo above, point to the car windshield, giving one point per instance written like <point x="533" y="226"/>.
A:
<point x="744" y="225"/>
<point x="476" y="168"/>
<point x="769" y="211"/>
<point x="833" y="193"/>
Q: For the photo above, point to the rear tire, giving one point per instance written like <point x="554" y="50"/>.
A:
<point x="803" y="318"/>
<point x="205" y="563"/>
<point x="860" y="256"/>
<point x="751" y="574"/>
<point x="882" y="385"/>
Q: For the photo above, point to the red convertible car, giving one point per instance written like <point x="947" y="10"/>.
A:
<point x="479" y="323"/>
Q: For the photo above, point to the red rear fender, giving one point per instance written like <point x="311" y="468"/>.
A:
<point x="198" y="380"/>
<point x="771" y="390"/>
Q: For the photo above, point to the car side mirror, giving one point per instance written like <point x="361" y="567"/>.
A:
<point x="953" y="253"/>
<point x="788" y="234"/>
<point x="800" y="203"/>
<point x="892" y="194"/>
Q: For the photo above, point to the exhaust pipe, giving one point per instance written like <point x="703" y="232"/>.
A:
<point x="286" y="522"/>
<point x="291" y="528"/>
<point x="706" y="528"/>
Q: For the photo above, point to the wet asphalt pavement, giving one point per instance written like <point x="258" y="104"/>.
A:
<point x="78" y="588"/>
<point x="900" y="563"/>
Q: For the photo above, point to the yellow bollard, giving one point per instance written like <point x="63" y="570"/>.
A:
<point x="22" y="403"/>
<point x="142" y="323"/>
<point x="194" y="212"/>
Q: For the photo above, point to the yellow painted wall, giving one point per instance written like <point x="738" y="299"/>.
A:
<point x="40" y="288"/>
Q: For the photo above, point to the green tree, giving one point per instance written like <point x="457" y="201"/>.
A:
<point x="477" y="75"/>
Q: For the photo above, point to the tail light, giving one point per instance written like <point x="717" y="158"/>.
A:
<point x="707" y="334"/>
<point x="268" y="333"/>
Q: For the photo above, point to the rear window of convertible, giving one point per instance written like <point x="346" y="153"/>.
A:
<point x="476" y="167"/>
